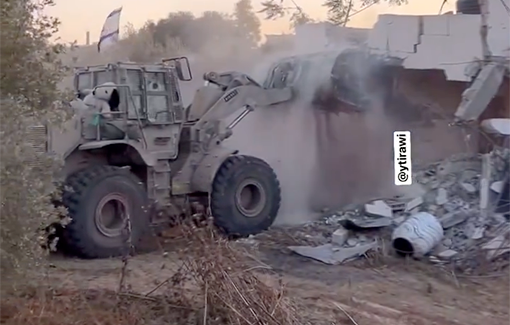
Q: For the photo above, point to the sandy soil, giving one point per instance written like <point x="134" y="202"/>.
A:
<point x="372" y="291"/>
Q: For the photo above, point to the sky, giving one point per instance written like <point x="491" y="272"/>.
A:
<point x="79" y="16"/>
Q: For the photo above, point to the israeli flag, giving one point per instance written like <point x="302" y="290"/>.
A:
<point x="110" y="31"/>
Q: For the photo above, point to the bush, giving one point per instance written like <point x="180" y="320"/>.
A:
<point x="29" y="74"/>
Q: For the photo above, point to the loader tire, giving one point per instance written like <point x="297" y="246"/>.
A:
<point x="98" y="200"/>
<point x="245" y="196"/>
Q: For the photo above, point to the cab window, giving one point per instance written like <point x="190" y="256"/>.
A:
<point x="135" y="103"/>
<point x="157" y="97"/>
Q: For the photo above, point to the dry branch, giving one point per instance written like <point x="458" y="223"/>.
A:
<point x="234" y="292"/>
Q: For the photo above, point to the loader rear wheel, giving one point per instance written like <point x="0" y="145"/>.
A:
<point x="102" y="201"/>
<point x="245" y="196"/>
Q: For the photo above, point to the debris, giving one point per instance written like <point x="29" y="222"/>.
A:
<point x="453" y="218"/>
<point x="497" y="186"/>
<point x="340" y="236"/>
<point x="499" y="126"/>
<point x="503" y="201"/>
<point x="435" y="260"/>
<point x="250" y="240"/>
<point x="477" y="97"/>
<point x="454" y="205"/>
<point x="442" y="196"/>
<point x="414" y="203"/>
<point x="365" y="223"/>
<point x="468" y="188"/>
<point x="399" y="220"/>
<point x="484" y="183"/>
<point x="478" y="233"/>
<point x="496" y="247"/>
<point x="498" y="219"/>
<point x="352" y="242"/>
<point x="379" y="209"/>
<point x="417" y="235"/>
<point x="438" y="249"/>
<point x="332" y="255"/>
<point x="397" y="207"/>
<point x="447" y="254"/>
<point x="447" y="242"/>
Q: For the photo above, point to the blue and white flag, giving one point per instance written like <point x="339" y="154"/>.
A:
<point x="110" y="31"/>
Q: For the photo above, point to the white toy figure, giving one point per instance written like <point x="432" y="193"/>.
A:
<point x="104" y="98"/>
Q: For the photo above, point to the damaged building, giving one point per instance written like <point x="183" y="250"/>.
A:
<point x="445" y="78"/>
<point x="416" y="73"/>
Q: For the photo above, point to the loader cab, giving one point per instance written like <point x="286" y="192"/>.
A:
<point x="147" y="93"/>
<point x="149" y="112"/>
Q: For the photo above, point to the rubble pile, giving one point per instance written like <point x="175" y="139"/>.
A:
<point x="462" y="193"/>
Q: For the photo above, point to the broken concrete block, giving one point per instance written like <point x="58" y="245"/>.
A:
<point x="453" y="218"/>
<point x="447" y="254"/>
<point x="442" y="196"/>
<point x="366" y="222"/>
<point x="478" y="233"/>
<point x="379" y="209"/>
<point x="397" y="207"/>
<point x="477" y="97"/>
<point x="468" y="188"/>
<point x="499" y="126"/>
<point x="340" y="236"/>
<point x="414" y="203"/>
<point x="484" y="183"/>
<point x="447" y="242"/>
<point x="399" y="220"/>
<point x="497" y="186"/>
<point x="352" y="242"/>
<point x="454" y="205"/>
<point x="332" y="255"/>
<point x="496" y="247"/>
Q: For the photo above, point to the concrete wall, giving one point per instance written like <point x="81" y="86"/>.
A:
<point x="448" y="42"/>
<point x="317" y="36"/>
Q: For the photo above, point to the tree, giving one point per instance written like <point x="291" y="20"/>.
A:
<point x="29" y="74"/>
<point x="179" y="31"/>
<point x="176" y="25"/>
<point x="274" y="10"/>
<point x="247" y="23"/>
<point x="339" y="11"/>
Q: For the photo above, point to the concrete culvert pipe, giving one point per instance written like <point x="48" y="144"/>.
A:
<point x="418" y="235"/>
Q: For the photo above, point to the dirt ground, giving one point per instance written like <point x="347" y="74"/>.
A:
<point x="373" y="291"/>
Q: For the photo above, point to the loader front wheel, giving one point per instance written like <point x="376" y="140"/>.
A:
<point x="108" y="209"/>
<point x="245" y="196"/>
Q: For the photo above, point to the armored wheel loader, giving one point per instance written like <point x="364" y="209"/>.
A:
<point x="135" y="157"/>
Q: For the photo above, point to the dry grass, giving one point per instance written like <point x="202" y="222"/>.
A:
<point x="46" y="306"/>
<point x="232" y="291"/>
<point x="214" y="285"/>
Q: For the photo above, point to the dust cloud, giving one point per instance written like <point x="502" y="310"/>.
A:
<point x="284" y="136"/>
<point x="323" y="157"/>
<point x="306" y="145"/>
